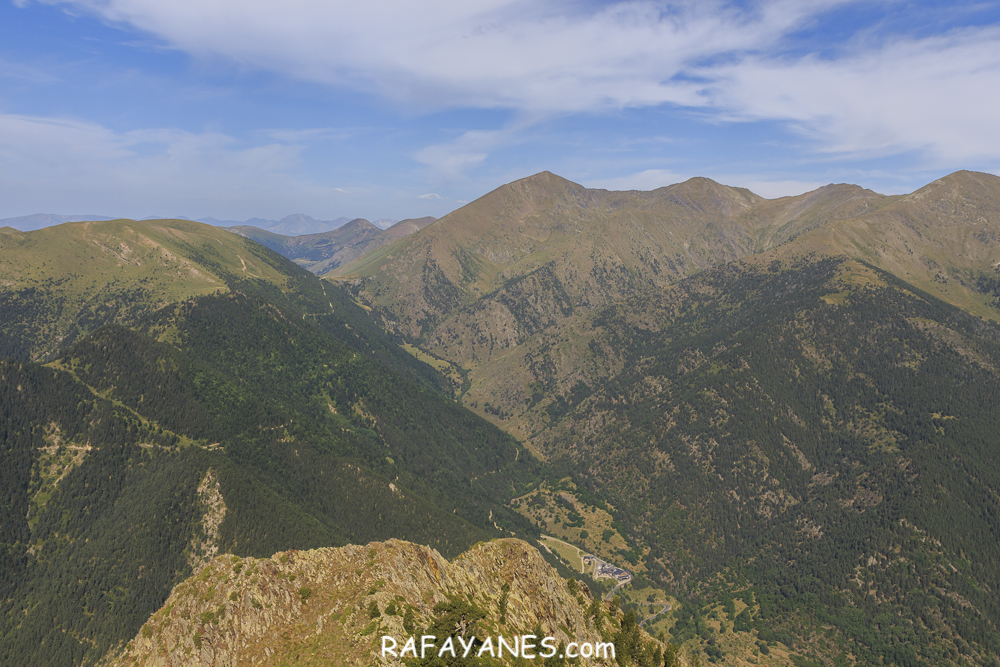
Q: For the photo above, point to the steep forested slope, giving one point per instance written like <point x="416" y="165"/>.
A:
<point x="817" y="432"/>
<point x="269" y="416"/>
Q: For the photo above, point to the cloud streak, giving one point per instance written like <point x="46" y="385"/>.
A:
<point x="730" y="62"/>
<point x="150" y="170"/>
<point x="936" y="94"/>
<point x="517" y="54"/>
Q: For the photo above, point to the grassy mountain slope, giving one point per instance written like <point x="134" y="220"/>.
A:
<point x="62" y="282"/>
<point x="467" y="294"/>
<point x="573" y="249"/>
<point x="407" y="227"/>
<point x="944" y="239"/>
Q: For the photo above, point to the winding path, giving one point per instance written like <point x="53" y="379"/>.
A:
<point x="666" y="608"/>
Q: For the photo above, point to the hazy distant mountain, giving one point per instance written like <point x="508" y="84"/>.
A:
<point x="296" y="224"/>
<point x="28" y="223"/>
<point x="326" y="251"/>
<point x="408" y="226"/>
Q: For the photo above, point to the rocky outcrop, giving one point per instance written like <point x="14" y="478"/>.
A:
<point x="333" y="606"/>
<point x="205" y="543"/>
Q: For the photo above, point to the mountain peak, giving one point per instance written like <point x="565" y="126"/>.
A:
<point x="545" y="181"/>
<point x="960" y="186"/>
<point x="963" y="179"/>
<point x="705" y="194"/>
<point x="357" y="225"/>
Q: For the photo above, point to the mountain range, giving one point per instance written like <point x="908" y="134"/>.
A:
<point x="295" y="224"/>
<point x="779" y="415"/>
<point x="765" y="391"/>
<point x="491" y="280"/>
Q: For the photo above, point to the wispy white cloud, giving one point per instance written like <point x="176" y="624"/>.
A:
<point x="520" y="54"/>
<point x="452" y="159"/>
<point x="934" y="96"/>
<point x="133" y="173"/>
<point x="431" y="195"/>
<point x="449" y="160"/>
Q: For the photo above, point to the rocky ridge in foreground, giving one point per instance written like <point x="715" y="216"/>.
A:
<point x="332" y="606"/>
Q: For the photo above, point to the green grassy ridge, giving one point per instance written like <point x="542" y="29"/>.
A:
<point x="62" y="282"/>
<point x="755" y="372"/>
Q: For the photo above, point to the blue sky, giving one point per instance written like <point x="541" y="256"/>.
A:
<point x="242" y="108"/>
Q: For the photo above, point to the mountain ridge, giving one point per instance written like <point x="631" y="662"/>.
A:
<point x="635" y="240"/>
<point x="340" y="602"/>
<point x="779" y="412"/>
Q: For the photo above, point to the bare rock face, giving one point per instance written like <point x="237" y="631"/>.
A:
<point x="333" y="606"/>
<point x="205" y="545"/>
